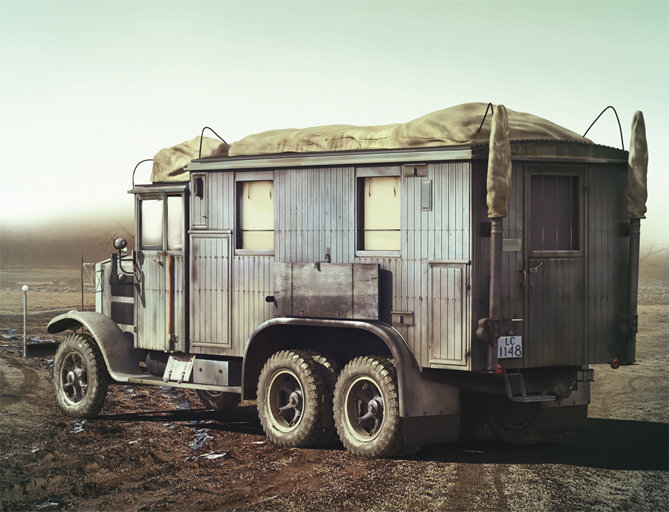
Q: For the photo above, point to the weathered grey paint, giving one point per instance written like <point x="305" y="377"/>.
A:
<point x="315" y="209"/>
<point x="568" y="311"/>
<point x="326" y="290"/>
<point x="152" y="302"/>
<point x="210" y="292"/>
<point x="607" y="268"/>
<point x="571" y="303"/>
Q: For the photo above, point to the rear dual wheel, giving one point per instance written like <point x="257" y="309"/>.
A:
<point x="293" y="391"/>
<point x="296" y="409"/>
<point x="366" y="408"/>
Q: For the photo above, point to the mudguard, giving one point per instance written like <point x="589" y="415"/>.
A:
<point x="418" y="395"/>
<point x="121" y="358"/>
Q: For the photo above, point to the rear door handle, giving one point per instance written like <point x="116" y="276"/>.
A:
<point x="536" y="268"/>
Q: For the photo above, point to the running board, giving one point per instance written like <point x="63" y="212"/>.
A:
<point x="532" y="398"/>
<point x="515" y="389"/>
<point x="158" y="381"/>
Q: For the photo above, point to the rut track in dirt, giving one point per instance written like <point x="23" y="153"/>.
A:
<point x="160" y="450"/>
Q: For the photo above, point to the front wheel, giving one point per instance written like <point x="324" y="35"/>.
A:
<point x="80" y="378"/>
<point x="366" y="408"/>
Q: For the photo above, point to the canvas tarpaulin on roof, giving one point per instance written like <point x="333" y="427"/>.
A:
<point x="499" y="165"/>
<point x="637" y="189"/>
<point x="169" y="163"/>
<point x="458" y="125"/>
<point x="451" y="126"/>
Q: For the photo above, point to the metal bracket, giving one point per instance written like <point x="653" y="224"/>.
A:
<point x="585" y="375"/>
<point x="402" y="318"/>
<point x="414" y="170"/>
<point x="629" y="324"/>
<point x="179" y="368"/>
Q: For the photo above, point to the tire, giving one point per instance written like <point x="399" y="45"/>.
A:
<point x="517" y="423"/>
<point x="290" y="406"/>
<point x="80" y="378"/>
<point x="366" y="408"/>
<point x="330" y="369"/>
<point x="218" y="400"/>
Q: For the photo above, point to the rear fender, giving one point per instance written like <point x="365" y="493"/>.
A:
<point x="419" y="395"/>
<point x="121" y="358"/>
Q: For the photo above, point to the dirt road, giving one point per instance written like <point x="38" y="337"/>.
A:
<point x="163" y="451"/>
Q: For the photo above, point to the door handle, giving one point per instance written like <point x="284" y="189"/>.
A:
<point x="536" y="268"/>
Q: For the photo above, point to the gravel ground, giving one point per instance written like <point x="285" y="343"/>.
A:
<point x="160" y="450"/>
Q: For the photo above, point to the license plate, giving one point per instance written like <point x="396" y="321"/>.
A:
<point x="510" y="347"/>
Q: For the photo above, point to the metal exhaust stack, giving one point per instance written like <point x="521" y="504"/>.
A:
<point x="499" y="189"/>
<point x="636" y="196"/>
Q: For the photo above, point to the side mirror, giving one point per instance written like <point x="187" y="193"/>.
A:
<point x="120" y="243"/>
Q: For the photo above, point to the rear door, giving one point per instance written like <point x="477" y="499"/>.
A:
<point x="554" y="271"/>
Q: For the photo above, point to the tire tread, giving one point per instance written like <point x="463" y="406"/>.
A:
<point x="97" y="374"/>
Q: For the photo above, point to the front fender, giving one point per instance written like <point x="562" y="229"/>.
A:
<point x="121" y="358"/>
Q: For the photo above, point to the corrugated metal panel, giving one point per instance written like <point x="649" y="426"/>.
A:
<point x="514" y="285"/>
<point x="210" y="293"/>
<point x="449" y="312"/>
<point x="152" y="304"/>
<point x="442" y="233"/>
<point x="199" y="203"/>
<point x="179" y="303"/>
<point x="315" y="209"/>
<point x="317" y="160"/>
<point x="215" y="211"/>
<point x="556" y="316"/>
<point x="553" y="280"/>
<point x="251" y="283"/>
<point x="607" y="266"/>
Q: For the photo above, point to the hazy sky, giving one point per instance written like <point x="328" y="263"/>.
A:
<point x="90" y="88"/>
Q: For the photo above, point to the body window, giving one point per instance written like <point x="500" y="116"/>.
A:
<point x="380" y="213"/>
<point x="554" y="213"/>
<point x="256" y="215"/>
<point x="151" y="215"/>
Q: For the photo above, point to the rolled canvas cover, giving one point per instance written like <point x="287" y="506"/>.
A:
<point x="499" y="165"/>
<point x="169" y="163"/>
<point x="451" y="126"/>
<point x="637" y="170"/>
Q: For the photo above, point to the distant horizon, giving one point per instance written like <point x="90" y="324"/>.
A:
<point x="92" y="88"/>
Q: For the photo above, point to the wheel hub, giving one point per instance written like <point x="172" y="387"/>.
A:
<point x="364" y="405"/>
<point x="286" y="401"/>
<point x="74" y="378"/>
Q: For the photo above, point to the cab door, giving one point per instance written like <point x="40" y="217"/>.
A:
<point x="160" y="300"/>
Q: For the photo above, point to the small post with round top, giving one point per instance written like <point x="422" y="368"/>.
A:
<point x="25" y="289"/>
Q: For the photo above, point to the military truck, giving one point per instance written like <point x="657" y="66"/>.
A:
<point x="385" y="286"/>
